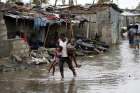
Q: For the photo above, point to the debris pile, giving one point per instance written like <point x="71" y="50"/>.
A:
<point x="39" y="56"/>
<point x="88" y="46"/>
<point x="20" y="53"/>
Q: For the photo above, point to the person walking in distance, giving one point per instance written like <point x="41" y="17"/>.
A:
<point x="62" y="42"/>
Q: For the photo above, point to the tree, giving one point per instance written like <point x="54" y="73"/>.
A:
<point x="13" y="0"/>
<point x="40" y="1"/>
<point x="103" y="1"/>
<point x="71" y="2"/>
<point x="63" y="2"/>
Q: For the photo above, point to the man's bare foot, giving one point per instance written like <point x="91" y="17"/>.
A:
<point x="62" y="79"/>
<point x="78" y="66"/>
<point x="48" y="71"/>
<point x="74" y="74"/>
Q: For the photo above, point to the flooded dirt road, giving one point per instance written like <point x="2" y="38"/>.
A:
<point x="117" y="71"/>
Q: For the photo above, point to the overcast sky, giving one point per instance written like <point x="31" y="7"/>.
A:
<point x="121" y="3"/>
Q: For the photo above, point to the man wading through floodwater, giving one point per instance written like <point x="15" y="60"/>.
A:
<point x="64" y="57"/>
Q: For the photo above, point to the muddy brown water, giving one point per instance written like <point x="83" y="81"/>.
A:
<point x="117" y="71"/>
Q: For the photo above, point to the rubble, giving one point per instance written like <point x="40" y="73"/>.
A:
<point x="36" y="57"/>
<point x="90" y="47"/>
<point x="39" y="56"/>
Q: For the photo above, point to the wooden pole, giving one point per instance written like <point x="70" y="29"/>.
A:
<point x="75" y="2"/>
<point x="93" y="2"/>
<point x="71" y="31"/>
<point x="63" y="2"/>
<point x="71" y="2"/>
<point x="55" y="3"/>
<point x="87" y="30"/>
<point x="48" y="30"/>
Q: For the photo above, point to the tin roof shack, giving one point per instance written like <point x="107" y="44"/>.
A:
<point x="102" y="20"/>
<point x="108" y="22"/>
<point x="39" y="30"/>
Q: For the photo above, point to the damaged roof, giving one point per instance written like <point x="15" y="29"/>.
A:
<point x="99" y="7"/>
<point x="93" y="9"/>
<point x="76" y="10"/>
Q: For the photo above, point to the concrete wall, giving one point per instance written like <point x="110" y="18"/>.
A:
<point x="18" y="47"/>
<point x="13" y="47"/>
<point x="4" y="48"/>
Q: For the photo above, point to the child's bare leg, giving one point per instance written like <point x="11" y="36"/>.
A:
<point x="53" y="70"/>
<point x="50" y="67"/>
<point x="74" y="59"/>
<point x="54" y="67"/>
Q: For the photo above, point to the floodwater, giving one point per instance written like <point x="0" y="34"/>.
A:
<point x="117" y="71"/>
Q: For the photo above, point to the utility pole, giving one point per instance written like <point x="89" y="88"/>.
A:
<point x="102" y="1"/>
<point x="55" y="3"/>
<point x="75" y="2"/>
<point x="93" y="2"/>
<point x="63" y="2"/>
<point x="71" y="2"/>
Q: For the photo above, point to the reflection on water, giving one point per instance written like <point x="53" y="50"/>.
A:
<point x="63" y="87"/>
<point x="112" y="72"/>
